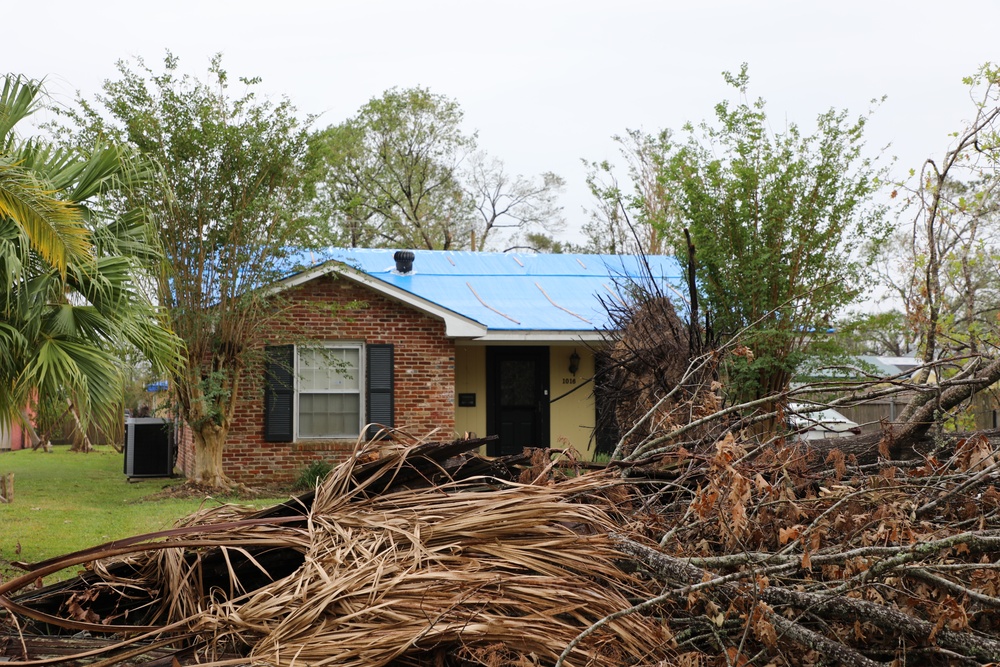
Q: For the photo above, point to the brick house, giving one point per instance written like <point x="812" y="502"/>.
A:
<point x="437" y="344"/>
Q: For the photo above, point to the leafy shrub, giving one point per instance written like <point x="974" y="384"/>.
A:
<point x="312" y="474"/>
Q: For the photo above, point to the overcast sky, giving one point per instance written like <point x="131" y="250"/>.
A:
<point x="545" y="83"/>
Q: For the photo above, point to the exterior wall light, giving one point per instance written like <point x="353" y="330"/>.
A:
<point x="574" y="362"/>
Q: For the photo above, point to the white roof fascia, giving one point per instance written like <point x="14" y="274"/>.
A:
<point x="456" y="326"/>
<point x="542" y="336"/>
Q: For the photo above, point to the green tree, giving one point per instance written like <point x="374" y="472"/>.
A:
<point x="946" y="273"/>
<point x="390" y="175"/>
<point x="227" y="212"/>
<point x="403" y="173"/>
<point x="942" y="263"/>
<point x="72" y="269"/>
<point x="886" y="333"/>
<point x="630" y="221"/>
<point x="782" y="222"/>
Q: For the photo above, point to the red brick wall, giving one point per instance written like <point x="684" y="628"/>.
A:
<point x="185" y="447"/>
<point x="424" y="377"/>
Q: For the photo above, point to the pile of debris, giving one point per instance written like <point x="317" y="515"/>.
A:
<point x="407" y="556"/>
<point x="432" y="555"/>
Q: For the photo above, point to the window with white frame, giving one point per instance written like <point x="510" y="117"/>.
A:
<point x="330" y="390"/>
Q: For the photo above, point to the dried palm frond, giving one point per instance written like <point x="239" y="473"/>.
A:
<point x="369" y="572"/>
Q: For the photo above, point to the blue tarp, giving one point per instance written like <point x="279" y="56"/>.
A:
<point x="518" y="291"/>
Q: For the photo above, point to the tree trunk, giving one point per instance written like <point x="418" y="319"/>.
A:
<point x="209" y="443"/>
<point x="7" y="487"/>
<point x="29" y="428"/>
<point x="82" y="444"/>
<point x="207" y="412"/>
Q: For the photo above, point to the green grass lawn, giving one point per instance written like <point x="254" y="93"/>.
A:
<point x="65" y="501"/>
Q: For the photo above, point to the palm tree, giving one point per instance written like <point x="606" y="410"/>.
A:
<point x="72" y="296"/>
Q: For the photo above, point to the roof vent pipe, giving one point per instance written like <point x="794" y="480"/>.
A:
<point x="404" y="261"/>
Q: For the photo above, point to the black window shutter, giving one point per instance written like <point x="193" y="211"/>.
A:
<point x="279" y="392"/>
<point x="379" y="386"/>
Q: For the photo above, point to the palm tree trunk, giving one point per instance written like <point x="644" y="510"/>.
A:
<point x="85" y="445"/>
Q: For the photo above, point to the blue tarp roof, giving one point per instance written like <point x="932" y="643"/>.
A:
<point x="513" y="291"/>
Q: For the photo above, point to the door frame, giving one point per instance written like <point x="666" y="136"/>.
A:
<point x="494" y="355"/>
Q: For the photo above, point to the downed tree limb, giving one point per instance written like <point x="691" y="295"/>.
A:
<point x="833" y="606"/>
<point x="835" y="651"/>
<point x="845" y="608"/>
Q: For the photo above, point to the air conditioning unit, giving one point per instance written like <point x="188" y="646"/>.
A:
<point x="149" y="447"/>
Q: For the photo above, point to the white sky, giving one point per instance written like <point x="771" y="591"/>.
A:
<point x="545" y="83"/>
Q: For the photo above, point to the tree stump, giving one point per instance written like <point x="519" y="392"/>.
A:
<point x="7" y="487"/>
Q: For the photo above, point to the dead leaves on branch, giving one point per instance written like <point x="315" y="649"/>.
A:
<point x="725" y="494"/>
<point x="914" y="542"/>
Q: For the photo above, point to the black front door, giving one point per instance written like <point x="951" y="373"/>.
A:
<point x="517" y="398"/>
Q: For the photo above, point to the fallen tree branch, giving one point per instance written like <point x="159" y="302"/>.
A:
<point x="843" y="655"/>
<point x="833" y="606"/>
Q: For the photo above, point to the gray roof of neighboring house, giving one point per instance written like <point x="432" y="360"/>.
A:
<point x="892" y="366"/>
<point x="518" y="295"/>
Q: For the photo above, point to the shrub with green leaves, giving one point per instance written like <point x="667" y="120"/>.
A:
<point x="312" y="474"/>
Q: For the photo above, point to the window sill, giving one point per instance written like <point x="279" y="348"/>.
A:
<point x="324" y="444"/>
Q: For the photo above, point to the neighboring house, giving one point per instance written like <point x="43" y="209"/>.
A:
<point x="901" y="367"/>
<point x="437" y="344"/>
<point x="872" y="415"/>
<point x="13" y="437"/>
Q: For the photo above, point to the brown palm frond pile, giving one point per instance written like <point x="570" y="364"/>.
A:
<point x="467" y="572"/>
<point x="399" y="576"/>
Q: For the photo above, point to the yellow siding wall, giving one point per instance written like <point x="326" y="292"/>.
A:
<point x="470" y="378"/>
<point x="571" y="416"/>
